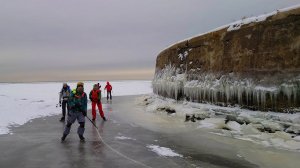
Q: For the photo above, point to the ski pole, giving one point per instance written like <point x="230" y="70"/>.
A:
<point x="91" y="122"/>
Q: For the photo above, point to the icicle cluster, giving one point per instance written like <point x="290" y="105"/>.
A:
<point x="227" y="90"/>
<point x="169" y="82"/>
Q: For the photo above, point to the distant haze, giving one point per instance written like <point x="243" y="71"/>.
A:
<point x="61" y="40"/>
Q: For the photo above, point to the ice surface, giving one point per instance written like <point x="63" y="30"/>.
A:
<point x="25" y="101"/>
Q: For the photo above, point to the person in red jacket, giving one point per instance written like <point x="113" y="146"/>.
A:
<point x="95" y="97"/>
<point x="108" y="88"/>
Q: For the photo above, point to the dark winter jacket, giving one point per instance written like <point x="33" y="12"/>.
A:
<point x="77" y="102"/>
<point x="64" y="93"/>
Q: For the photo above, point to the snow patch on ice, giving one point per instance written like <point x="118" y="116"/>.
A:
<point x="163" y="151"/>
<point x="297" y="138"/>
<point x="124" y="138"/>
<point x="234" y="126"/>
<point x="215" y="123"/>
<point x="4" y="130"/>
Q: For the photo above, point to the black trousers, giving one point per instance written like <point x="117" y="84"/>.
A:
<point x="108" y="95"/>
<point x="64" y="106"/>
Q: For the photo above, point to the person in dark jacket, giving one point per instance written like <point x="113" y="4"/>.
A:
<point x="77" y="111"/>
<point x="63" y="99"/>
<point x="95" y="97"/>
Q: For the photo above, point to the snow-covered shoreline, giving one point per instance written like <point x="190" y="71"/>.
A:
<point x="22" y="102"/>
<point x="269" y="129"/>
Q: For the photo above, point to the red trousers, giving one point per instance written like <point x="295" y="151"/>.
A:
<point x="99" y="108"/>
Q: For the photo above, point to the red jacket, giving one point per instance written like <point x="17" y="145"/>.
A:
<point x="108" y="87"/>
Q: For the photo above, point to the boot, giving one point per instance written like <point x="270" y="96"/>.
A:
<point x="63" y="138"/>
<point x="104" y="119"/>
<point x="62" y="119"/>
<point x="82" y="139"/>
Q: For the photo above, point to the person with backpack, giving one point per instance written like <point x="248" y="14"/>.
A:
<point x="77" y="111"/>
<point x="108" y="89"/>
<point x="95" y="97"/>
<point x="63" y="99"/>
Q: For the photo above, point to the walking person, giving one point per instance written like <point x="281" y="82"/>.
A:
<point x="78" y="110"/>
<point x="63" y="99"/>
<point x="108" y="89"/>
<point x="95" y="97"/>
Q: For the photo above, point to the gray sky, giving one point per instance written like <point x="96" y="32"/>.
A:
<point x="54" y="40"/>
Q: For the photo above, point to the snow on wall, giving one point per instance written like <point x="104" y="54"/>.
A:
<point x="225" y="90"/>
<point x="238" y="24"/>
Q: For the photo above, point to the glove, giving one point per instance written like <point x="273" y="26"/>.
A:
<point x="84" y="113"/>
<point x="60" y="102"/>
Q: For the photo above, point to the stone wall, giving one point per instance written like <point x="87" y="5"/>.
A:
<point x="260" y="61"/>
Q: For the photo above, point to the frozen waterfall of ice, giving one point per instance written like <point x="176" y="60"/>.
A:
<point x="225" y="90"/>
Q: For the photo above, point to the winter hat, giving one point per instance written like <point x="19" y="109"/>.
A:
<point x="80" y="84"/>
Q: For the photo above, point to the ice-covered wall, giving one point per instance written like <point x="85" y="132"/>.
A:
<point x="254" y="63"/>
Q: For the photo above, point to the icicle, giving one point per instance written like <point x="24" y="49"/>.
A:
<point x="169" y="82"/>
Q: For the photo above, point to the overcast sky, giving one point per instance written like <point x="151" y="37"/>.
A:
<point x="55" y="40"/>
